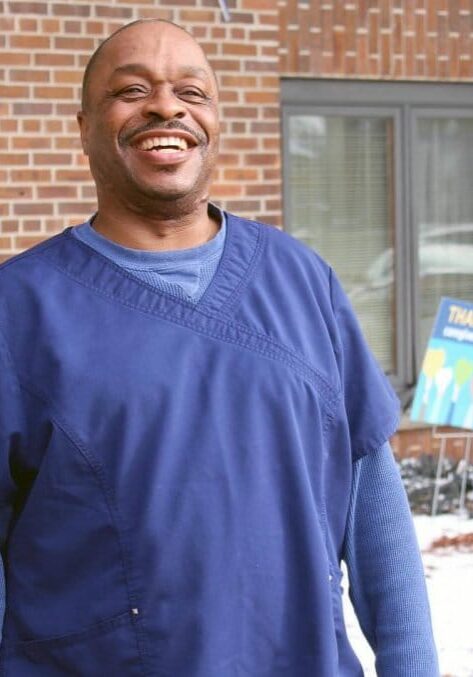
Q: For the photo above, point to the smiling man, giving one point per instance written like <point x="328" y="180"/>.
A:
<point x="193" y="433"/>
<point x="149" y="124"/>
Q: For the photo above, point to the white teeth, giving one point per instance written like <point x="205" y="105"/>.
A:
<point x="168" y="144"/>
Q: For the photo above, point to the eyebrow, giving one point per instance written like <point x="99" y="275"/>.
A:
<point x="187" y="71"/>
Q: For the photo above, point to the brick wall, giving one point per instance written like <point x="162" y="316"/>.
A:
<point x="44" y="180"/>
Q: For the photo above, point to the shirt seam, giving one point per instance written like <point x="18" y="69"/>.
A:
<point x="295" y="363"/>
<point x="98" y="472"/>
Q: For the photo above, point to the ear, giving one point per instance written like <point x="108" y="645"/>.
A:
<point x="83" y="126"/>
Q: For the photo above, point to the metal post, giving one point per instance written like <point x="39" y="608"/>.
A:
<point x="225" y="10"/>
<point x="435" y="500"/>
<point x="466" y="460"/>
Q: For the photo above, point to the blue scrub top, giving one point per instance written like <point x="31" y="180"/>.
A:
<point x="175" y="478"/>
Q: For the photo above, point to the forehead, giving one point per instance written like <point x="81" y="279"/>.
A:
<point x="157" y="47"/>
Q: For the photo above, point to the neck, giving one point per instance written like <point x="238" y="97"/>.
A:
<point x="157" y="231"/>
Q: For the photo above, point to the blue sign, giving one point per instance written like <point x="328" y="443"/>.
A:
<point x="444" y="393"/>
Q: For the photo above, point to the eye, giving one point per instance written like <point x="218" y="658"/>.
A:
<point x="193" y="94"/>
<point x="132" y="92"/>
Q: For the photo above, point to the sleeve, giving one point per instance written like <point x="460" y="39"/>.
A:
<point x="386" y="577"/>
<point x="371" y="405"/>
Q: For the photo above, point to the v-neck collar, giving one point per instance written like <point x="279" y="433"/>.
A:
<point x="243" y="246"/>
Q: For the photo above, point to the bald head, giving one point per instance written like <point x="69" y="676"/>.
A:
<point x="102" y="48"/>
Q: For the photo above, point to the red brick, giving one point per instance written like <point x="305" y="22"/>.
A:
<point x="240" y="174"/>
<point x="10" y="226"/>
<point x="258" y="5"/>
<point x="232" y="48"/>
<point x="373" y="33"/>
<point x="34" y="175"/>
<point x="31" y="142"/>
<point x="54" y="59"/>
<point x="30" y="42"/>
<point x="53" y="125"/>
<point x="73" y="175"/>
<point x="8" y="125"/>
<point x="13" y="92"/>
<point x="28" y="7"/>
<point x="76" y="207"/>
<point x="51" y="159"/>
<point x="72" y="9"/>
<point x="198" y="16"/>
<point x="13" y="159"/>
<point x="73" y="27"/>
<point x="14" y="59"/>
<point x="32" y="108"/>
<point x="30" y="75"/>
<point x="31" y="225"/>
<point x="6" y="23"/>
<point x="239" y="112"/>
<point x="261" y="65"/>
<point x="262" y="158"/>
<point x="243" y="205"/>
<point x="263" y="189"/>
<point x="15" y="192"/>
<point x="240" y="81"/>
<point x="224" y="64"/>
<point x="69" y="76"/>
<point x="30" y="125"/>
<point x="26" y="241"/>
<point x="50" y="25"/>
<point x="73" y="43"/>
<point x="67" y="143"/>
<point x="118" y="12"/>
<point x="54" y="93"/>
<point x="29" y="25"/>
<point x="39" y="208"/>
<point x="261" y="97"/>
<point x="88" y="192"/>
<point x="226" y="190"/>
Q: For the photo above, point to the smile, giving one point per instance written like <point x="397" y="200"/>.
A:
<point x="165" y="144"/>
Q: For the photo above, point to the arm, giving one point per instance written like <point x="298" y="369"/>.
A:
<point x="387" y="585"/>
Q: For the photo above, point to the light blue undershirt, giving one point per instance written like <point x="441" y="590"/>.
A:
<point x="387" y="585"/>
<point x="184" y="273"/>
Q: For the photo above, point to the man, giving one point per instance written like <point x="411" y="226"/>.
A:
<point x="186" y="409"/>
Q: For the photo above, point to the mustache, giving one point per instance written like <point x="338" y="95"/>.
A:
<point x="160" y="126"/>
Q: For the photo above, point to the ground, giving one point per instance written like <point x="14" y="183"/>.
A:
<point x="449" y="573"/>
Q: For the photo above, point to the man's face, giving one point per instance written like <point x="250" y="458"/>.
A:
<point x="150" y="124"/>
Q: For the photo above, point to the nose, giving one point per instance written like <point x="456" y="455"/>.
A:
<point x="164" y="103"/>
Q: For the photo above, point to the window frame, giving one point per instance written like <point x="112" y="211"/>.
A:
<point x="405" y="103"/>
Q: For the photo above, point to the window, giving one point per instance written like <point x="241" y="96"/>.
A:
<point x="378" y="178"/>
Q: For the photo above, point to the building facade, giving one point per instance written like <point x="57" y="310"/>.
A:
<point x="350" y="124"/>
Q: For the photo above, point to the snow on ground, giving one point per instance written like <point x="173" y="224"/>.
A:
<point x="449" y="574"/>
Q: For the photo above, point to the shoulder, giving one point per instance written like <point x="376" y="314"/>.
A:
<point x="25" y="262"/>
<point x="282" y="250"/>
